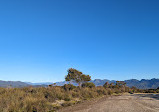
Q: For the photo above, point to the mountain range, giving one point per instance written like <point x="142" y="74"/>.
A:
<point x="15" y="84"/>
<point x="141" y="84"/>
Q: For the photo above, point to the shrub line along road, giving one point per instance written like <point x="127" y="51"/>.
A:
<point x="123" y="103"/>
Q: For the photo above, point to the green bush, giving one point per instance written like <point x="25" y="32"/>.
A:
<point x="88" y="84"/>
<point x="68" y="97"/>
<point x="68" y="87"/>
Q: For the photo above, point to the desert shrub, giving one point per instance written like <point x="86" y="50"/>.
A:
<point x="66" y="104"/>
<point x="68" y="87"/>
<point x="35" y="105"/>
<point x="110" y="91"/>
<point x="42" y="99"/>
<point x="75" y="94"/>
<point x="88" y="93"/>
<point x="106" y="85"/>
<point x="127" y="89"/>
<point x="117" y="91"/>
<point x="67" y="97"/>
<point x="102" y="91"/>
<point x="88" y="84"/>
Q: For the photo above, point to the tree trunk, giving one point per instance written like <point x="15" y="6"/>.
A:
<point x="79" y="84"/>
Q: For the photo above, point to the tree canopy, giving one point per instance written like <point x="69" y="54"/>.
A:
<point x="77" y="76"/>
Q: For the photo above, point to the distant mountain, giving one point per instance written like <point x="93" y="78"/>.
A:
<point x="99" y="82"/>
<point x="141" y="84"/>
<point x="40" y="83"/>
<point x="17" y="84"/>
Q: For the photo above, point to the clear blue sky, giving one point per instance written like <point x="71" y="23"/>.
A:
<point x="107" y="39"/>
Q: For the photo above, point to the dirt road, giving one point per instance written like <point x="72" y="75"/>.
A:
<point x="124" y="103"/>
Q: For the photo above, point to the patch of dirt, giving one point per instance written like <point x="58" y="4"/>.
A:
<point x="123" y="103"/>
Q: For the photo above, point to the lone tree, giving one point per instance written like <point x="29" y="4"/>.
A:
<point x="77" y="76"/>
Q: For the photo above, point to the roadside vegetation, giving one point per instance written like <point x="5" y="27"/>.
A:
<point x="136" y="90"/>
<point x="51" y="98"/>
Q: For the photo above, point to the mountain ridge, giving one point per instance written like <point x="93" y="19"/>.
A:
<point x="141" y="84"/>
<point x="15" y="84"/>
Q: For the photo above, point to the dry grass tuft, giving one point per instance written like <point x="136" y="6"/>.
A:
<point x="42" y="99"/>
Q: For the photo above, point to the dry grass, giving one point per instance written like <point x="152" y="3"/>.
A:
<point x="42" y="99"/>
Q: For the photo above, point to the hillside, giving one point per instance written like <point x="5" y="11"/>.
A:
<point x="12" y="84"/>
<point x="144" y="83"/>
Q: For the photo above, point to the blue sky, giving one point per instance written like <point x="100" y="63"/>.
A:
<point x="107" y="39"/>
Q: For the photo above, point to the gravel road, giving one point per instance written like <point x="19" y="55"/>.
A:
<point x="124" y="103"/>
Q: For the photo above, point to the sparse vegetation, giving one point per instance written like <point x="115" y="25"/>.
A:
<point x="42" y="99"/>
<point x="51" y="98"/>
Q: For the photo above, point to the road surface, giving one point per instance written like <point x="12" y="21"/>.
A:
<point x="124" y="103"/>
